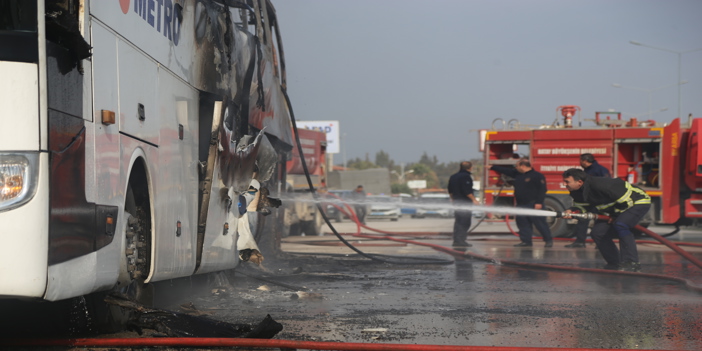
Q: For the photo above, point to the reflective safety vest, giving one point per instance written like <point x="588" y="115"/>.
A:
<point x="608" y="196"/>
<point x="633" y="196"/>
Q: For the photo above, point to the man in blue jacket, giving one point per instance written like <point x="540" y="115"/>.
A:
<point x="529" y="192"/>
<point x="594" y="169"/>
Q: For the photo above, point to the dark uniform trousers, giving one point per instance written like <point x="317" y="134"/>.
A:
<point x="526" y="223"/>
<point x="603" y="234"/>
<point x="581" y="230"/>
<point x="361" y="213"/>
<point x="461" y="225"/>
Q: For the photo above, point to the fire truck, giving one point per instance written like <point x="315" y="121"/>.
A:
<point x="301" y="216"/>
<point x="661" y="158"/>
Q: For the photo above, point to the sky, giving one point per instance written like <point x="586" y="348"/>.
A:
<point x="410" y="77"/>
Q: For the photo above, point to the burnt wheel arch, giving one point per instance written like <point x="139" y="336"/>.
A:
<point x="138" y="233"/>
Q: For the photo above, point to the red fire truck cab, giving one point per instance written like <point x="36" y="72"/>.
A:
<point x="662" y="159"/>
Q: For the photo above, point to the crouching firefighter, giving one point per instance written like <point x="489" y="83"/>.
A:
<point x="624" y="203"/>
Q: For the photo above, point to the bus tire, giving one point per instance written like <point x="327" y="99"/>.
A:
<point x="294" y="229"/>
<point x="559" y="226"/>
<point x="137" y="236"/>
<point x="311" y="228"/>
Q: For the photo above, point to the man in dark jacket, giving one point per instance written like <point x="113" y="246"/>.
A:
<point x="460" y="188"/>
<point x="592" y="168"/>
<point x="529" y="192"/>
<point x="624" y="203"/>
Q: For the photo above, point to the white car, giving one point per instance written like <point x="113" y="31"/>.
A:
<point x="434" y="205"/>
<point x="383" y="207"/>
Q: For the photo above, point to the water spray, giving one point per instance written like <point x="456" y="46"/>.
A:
<point x="434" y="206"/>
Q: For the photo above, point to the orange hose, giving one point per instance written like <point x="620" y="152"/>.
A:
<point x="273" y="343"/>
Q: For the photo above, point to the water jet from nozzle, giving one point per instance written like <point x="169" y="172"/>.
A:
<point x="517" y="211"/>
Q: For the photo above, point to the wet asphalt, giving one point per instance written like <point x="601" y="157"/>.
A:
<point x="320" y="290"/>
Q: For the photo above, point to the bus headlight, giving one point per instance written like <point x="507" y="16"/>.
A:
<point x="19" y="174"/>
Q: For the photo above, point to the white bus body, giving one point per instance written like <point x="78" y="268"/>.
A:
<point x="152" y="124"/>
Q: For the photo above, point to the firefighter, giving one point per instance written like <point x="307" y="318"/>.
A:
<point x="460" y="188"/>
<point x="624" y="203"/>
<point x="529" y="192"/>
<point x="592" y="168"/>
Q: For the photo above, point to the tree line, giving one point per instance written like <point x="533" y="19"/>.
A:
<point x="427" y="168"/>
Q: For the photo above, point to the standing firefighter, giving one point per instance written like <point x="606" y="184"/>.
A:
<point x="529" y="192"/>
<point x="624" y="203"/>
<point x="592" y="168"/>
<point x="460" y="188"/>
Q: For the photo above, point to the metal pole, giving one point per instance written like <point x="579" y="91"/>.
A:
<point x="346" y="144"/>
<point x="679" y="85"/>
<point x="679" y="53"/>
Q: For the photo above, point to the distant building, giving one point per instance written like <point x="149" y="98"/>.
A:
<point x="374" y="180"/>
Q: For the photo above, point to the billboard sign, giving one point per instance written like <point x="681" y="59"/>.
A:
<point x="331" y="128"/>
<point x="417" y="184"/>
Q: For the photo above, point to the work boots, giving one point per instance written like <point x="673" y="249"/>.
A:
<point x="461" y="244"/>
<point x="630" y="266"/>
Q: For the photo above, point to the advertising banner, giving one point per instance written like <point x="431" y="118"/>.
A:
<point x="331" y="128"/>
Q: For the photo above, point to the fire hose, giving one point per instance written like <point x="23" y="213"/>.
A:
<point x="273" y="343"/>
<point x="458" y="253"/>
<point x="585" y="216"/>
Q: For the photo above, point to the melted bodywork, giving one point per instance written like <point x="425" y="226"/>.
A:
<point x="241" y="67"/>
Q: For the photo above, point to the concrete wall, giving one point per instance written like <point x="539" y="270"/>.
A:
<point x="374" y="181"/>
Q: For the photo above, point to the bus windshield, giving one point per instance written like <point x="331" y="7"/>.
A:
<point x="18" y="31"/>
<point x="18" y="16"/>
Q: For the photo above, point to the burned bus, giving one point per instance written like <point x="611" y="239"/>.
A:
<point x="135" y="135"/>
